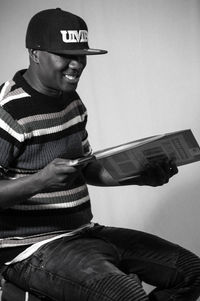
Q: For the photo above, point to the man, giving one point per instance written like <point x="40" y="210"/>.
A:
<point x="44" y="201"/>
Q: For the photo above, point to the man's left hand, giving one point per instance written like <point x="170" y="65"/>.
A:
<point x="154" y="174"/>
<point x="157" y="174"/>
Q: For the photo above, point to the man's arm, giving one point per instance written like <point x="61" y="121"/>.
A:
<point x="14" y="191"/>
<point x="154" y="175"/>
<point x="54" y="176"/>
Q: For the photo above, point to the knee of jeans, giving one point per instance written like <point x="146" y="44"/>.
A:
<point x="118" y="287"/>
<point x="189" y="264"/>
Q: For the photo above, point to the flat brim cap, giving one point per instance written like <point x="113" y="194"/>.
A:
<point x="58" y="31"/>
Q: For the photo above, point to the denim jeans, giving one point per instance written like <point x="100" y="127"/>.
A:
<point x="99" y="263"/>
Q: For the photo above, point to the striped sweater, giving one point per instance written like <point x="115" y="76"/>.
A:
<point x="34" y="130"/>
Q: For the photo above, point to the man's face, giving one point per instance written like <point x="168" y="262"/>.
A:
<point x="58" y="72"/>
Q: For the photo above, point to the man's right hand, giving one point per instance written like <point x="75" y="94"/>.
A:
<point x="57" y="173"/>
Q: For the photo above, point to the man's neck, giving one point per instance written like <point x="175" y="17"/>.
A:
<point x="33" y="81"/>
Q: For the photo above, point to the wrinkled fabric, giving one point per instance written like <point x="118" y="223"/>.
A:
<point x="98" y="264"/>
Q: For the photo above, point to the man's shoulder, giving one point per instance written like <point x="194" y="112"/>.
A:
<point x="6" y="88"/>
<point x="8" y="121"/>
<point x="12" y="96"/>
<point x="10" y="91"/>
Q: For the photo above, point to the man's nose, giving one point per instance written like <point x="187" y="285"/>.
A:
<point x="77" y="63"/>
<point x="74" y="64"/>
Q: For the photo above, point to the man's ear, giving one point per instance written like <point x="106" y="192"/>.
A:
<point x="34" y="55"/>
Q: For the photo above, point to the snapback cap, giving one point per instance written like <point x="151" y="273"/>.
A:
<point x="58" y="31"/>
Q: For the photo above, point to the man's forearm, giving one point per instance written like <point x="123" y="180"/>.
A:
<point x="13" y="192"/>
<point x="153" y="175"/>
<point x="52" y="177"/>
<point x="98" y="176"/>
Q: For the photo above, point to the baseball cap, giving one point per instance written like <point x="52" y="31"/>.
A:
<point x="58" y="31"/>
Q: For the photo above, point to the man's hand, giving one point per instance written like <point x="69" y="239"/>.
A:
<point x="57" y="174"/>
<point x="157" y="174"/>
<point x="154" y="174"/>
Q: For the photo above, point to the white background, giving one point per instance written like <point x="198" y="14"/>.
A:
<point x="148" y="84"/>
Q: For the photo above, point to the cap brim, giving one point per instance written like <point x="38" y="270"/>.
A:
<point x="88" y="51"/>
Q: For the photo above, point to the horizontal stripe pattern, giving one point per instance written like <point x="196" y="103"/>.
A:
<point x="50" y="116"/>
<point x="64" y="193"/>
<point x="29" y="223"/>
<point x="34" y="130"/>
<point x="55" y="129"/>
<point x="52" y="206"/>
<point x="61" y="199"/>
<point x="46" y="151"/>
<point x="20" y="133"/>
<point x="13" y="97"/>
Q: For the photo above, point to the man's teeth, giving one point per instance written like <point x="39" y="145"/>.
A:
<point x="70" y="77"/>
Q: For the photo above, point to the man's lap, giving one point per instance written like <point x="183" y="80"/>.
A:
<point x="74" y="263"/>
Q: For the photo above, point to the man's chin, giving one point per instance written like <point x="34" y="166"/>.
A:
<point x="69" y="87"/>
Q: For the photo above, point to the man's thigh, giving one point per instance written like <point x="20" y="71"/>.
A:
<point x="66" y="267"/>
<point x="152" y="258"/>
<point x="79" y="258"/>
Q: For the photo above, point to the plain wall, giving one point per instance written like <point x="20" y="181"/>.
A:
<point x="147" y="84"/>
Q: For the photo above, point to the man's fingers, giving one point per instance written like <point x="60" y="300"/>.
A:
<point x="68" y="162"/>
<point x="157" y="174"/>
<point x="65" y="165"/>
<point x="154" y="175"/>
<point x="166" y="166"/>
<point x="162" y="174"/>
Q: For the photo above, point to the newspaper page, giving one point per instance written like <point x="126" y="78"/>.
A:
<point x="129" y="159"/>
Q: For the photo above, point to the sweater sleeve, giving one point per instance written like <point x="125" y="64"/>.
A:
<point x="11" y="138"/>
<point x="87" y="150"/>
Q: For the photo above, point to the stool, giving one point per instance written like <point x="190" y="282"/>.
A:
<point x="10" y="292"/>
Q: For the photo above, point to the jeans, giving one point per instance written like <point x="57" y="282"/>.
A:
<point x="99" y="264"/>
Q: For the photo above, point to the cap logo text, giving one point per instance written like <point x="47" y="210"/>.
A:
<point x="74" y="36"/>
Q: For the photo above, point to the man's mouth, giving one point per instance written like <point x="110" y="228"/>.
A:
<point x="72" y="78"/>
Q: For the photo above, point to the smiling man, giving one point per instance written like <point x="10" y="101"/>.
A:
<point x="49" y="244"/>
<point x="52" y="73"/>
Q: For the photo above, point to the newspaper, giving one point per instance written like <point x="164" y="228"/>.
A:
<point x="129" y="159"/>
